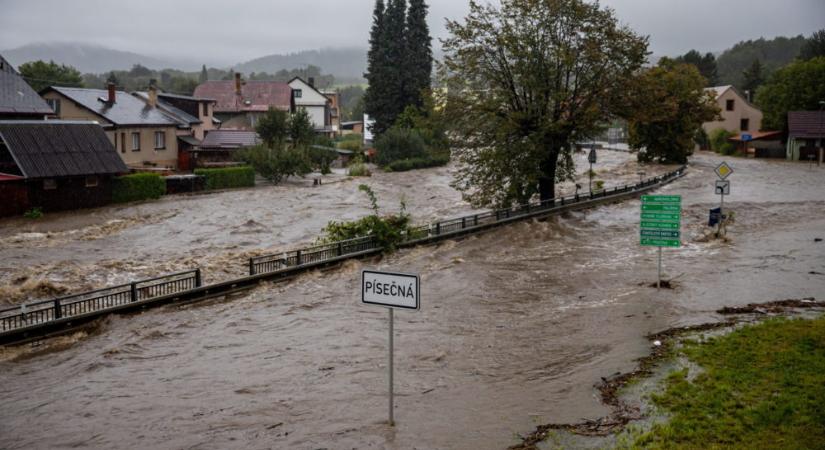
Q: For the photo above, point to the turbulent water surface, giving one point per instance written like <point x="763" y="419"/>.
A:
<point x="516" y="325"/>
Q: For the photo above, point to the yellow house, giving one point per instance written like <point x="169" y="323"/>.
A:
<point x="143" y="136"/>
<point x="738" y="114"/>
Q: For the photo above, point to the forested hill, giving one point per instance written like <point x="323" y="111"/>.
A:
<point x="771" y="53"/>
<point x="345" y="63"/>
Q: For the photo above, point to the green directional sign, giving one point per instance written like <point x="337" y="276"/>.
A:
<point x="661" y="220"/>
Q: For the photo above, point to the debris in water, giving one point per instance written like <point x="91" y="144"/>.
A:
<point x="657" y="343"/>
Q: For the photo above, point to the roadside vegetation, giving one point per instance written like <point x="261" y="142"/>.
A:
<point x="138" y="186"/>
<point x="388" y="230"/>
<point x="228" y="177"/>
<point x="761" y="386"/>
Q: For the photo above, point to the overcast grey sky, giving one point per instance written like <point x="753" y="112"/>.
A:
<point x="226" y="32"/>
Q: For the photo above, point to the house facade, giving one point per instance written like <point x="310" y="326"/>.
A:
<point x="806" y="135"/>
<point x="239" y="104"/>
<point x="144" y="137"/>
<point x="315" y="103"/>
<point x="55" y="165"/>
<point x="334" y="111"/>
<point x="738" y="114"/>
<point x="18" y="101"/>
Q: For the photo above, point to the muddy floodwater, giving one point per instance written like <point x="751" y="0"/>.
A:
<point x="516" y="325"/>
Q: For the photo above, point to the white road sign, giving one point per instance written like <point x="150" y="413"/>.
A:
<point x="722" y="187"/>
<point x="393" y="290"/>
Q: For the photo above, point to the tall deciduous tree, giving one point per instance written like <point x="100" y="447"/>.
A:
<point x="665" y="108"/>
<point x="418" y="61"/>
<point x="796" y="87"/>
<point x="814" y="46"/>
<point x="524" y="81"/>
<point x="41" y="74"/>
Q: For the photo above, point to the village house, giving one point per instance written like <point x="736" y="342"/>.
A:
<point x="806" y="129"/>
<point x="352" y="127"/>
<point x="334" y="111"/>
<point x="193" y="115"/>
<point x="738" y="114"/>
<point x="144" y="137"/>
<point x="55" y="165"/>
<point x="18" y="101"/>
<point x="316" y="104"/>
<point x="239" y="104"/>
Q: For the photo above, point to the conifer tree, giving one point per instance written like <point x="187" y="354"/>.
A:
<point x="419" y="56"/>
<point x="375" y="96"/>
<point x="204" y="76"/>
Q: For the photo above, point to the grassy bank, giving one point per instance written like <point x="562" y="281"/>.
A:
<point x="762" y="386"/>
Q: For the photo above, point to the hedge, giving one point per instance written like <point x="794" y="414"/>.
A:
<point x="416" y="163"/>
<point x="138" y="186"/>
<point x="229" y="177"/>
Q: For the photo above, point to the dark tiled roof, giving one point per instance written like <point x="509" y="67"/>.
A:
<point x="186" y="97"/>
<point x="182" y="117"/>
<point x="46" y="149"/>
<point x="229" y="139"/>
<point x="806" y="124"/>
<point x="16" y="96"/>
<point x="126" y="110"/>
<point x="256" y="96"/>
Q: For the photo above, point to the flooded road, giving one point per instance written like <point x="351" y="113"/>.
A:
<point x="83" y="250"/>
<point x="516" y="327"/>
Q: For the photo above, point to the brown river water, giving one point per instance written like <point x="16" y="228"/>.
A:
<point x="516" y="325"/>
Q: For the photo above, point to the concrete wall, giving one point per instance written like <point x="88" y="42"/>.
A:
<point x="731" y="119"/>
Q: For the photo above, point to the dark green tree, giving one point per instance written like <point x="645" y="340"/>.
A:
<point x="753" y="78"/>
<point x="301" y="130"/>
<point x="796" y="87"/>
<point x="138" y="70"/>
<point x="418" y="61"/>
<point x="204" y="75"/>
<point x="112" y="78"/>
<point x="705" y="64"/>
<point x="273" y="127"/>
<point x="375" y="97"/>
<point x="772" y="54"/>
<point x="814" y="46"/>
<point x="666" y="106"/>
<point x="41" y="74"/>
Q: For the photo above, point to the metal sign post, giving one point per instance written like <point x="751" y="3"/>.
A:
<point x="660" y="224"/>
<point x="723" y="171"/>
<point x="592" y="159"/>
<point x="392" y="291"/>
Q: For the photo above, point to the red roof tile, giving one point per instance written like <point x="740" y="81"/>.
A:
<point x="255" y="95"/>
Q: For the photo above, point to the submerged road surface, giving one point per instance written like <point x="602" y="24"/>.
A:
<point x="516" y="327"/>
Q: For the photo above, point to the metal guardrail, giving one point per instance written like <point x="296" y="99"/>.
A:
<point x="77" y="304"/>
<point x="19" y="320"/>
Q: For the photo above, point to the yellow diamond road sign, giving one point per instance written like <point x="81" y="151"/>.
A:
<point x="723" y="170"/>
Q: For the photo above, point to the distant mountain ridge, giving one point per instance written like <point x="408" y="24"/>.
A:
<point x="84" y="57"/>
<point x="346" y="62"/>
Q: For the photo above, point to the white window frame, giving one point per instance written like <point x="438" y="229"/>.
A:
<point x="135" y="142"/>
<point x="160" y="138"/>
<point x="299" y="93"/>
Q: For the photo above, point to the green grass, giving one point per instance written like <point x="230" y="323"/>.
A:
<point x="762" y="386"/>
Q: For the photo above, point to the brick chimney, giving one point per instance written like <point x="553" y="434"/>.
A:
<point x="111" y="88"/>
<point x="153" y="93"/>
<point x="237" y="84"/>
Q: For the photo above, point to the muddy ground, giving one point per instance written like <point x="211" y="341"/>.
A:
<point x="517" y="327"/>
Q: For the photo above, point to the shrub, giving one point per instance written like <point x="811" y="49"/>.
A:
<point x="359" y="170"/>
<point x="397" y="144"/>
<point x="599" y="184"/>
<point x="228" y="177"/>
<point x="354" y="146"/>
<point x="388" y="231"/>
<point x="138" y="186"/>
<point x="701" y="139"/>
<point x="34" y="213"/>
<point x="417" y="163"/>
<point x="719" y="141"/>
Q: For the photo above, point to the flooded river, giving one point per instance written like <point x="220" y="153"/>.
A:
<point x="516" y="325"/>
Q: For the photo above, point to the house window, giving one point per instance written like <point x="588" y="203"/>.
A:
<point x="122" y="142"/>
<point x="49" y="184"/>
<point x="743" y="124"/>
<point x="54" y="103"/>
<point x="160" y="140"/>
<point x="91" y="181"/>
<point x="729" y="105"/>
<point x="298" y="93"/>
<point x="205" y="107"/>
<point x="135" y="142"/>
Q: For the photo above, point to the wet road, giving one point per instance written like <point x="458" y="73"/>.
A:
<point x="84" y="250"/>
<point x="516" y="327"/>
